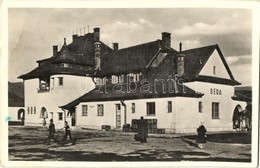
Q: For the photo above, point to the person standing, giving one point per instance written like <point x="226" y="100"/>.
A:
<point x="22" y="119"/>
<point x="51" y="130"/>
<point x="142" y="131"/>
<point x="201" y="135"/>
<point x="66" y="132"/>
<point x="44" y="123"/>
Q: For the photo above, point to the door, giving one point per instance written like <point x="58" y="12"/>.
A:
<point x="73" y="119"/>
<point x="118" y="115"/>
<point x="51" y="115"/>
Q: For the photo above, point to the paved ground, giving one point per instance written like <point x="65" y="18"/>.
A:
<point x="28" y="143"/>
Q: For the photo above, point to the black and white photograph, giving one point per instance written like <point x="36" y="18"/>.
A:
<point x="129" y="85"/>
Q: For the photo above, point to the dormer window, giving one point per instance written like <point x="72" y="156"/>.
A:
<point x="109" y="80"/>
<point x="98" y="81"/>
<point x="65" y="65"/>
<point x="131" y="77"/>
<point x="115" y="79"/>
<point x="214" y="70"/>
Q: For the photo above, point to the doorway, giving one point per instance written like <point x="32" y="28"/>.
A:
<point x="118" y="115"/>
<point x="21" y="114"/>
<point x="73" y="119"/>
<point x="237" y="117"/>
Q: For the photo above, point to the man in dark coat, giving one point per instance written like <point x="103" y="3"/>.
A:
<point x="51" y="131"/>
<point x="201" y="135"/>
<point x="142" y="131"/>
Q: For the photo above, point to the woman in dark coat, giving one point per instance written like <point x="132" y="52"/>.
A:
<point x="201" y="135"/>
<point x="142" y="131"/>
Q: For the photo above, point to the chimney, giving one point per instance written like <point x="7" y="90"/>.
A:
<point x="180" y="47"/>
<point x="115" y="46"/>
<point x="65" y="42"/>
<point x="96" y="34"/>
<point x="55" y="50"/>
<point x="166" y="40"/>
<point x="74" y="37"/>
<point x="180" y="64"/>
<point x="97" y="55"/>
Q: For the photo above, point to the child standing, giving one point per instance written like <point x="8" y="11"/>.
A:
<point x="66" y="132"/>
<point x="44" y="123"/>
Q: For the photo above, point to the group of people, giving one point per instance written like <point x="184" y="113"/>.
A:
<point x="141" y="136"/>
<point x="142" y="133"/>
<point x="51" y="130"/>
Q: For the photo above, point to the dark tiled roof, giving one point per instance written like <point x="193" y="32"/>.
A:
<point x="79" y="52"/>
<point x="132" y="92"/>
<point x="131" y="59"/>
<point x="50" y="69"/>
<point x="211" y="79"/>
<point x="66" y="56"/>
<point x="85" y="44"/>
<point x="195" y="59"/>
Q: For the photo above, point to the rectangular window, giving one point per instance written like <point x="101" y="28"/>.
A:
<point x="34" y="110"/>
<point x="44" y="84"/>
<point x="109" y="80"/>
<point x="215" y="110"/>
<point x="134" y="78"/>
<point x="131" y="77"/>
<point x="104" y="81"/>
<point x="200" y="106"/>
<point x="214" y="70"/>
<point x="118" y="107"/>
<point x="31" y="110"/>
<point x="150" y="107"/>
<point x="115" y="79"/>
<point x="60" y="81"/>
<point x="66" y="65"/>
<point x="52" y="79"/>
<point x="122" y="79"/>
<point x="133" y="107"/>
<point x="28" y="110"/>
<point x="60" y="116"/>
<point x="100" y="109"/>
<point x="84" y="110"/>
<point x="169" y="106"/>
<point x="98" y="81"/>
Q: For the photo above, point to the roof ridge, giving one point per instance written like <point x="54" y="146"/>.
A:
<point x="201" y="47"/>
<point x="138" y="45"/>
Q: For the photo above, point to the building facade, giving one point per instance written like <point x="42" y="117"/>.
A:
<point x="90" y="85"/>
<point x="60" y="79"/>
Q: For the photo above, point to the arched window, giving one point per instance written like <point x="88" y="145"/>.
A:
<point x="21" y="114"/>
<point x="43" y="113"/>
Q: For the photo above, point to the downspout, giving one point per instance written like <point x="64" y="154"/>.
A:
<point x="123" y="104"/>
<point x="64" y="114"/>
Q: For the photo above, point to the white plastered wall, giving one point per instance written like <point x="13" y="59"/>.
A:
<point x="72" y="88"/>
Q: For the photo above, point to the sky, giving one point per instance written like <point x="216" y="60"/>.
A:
<point x="33" y="31"/>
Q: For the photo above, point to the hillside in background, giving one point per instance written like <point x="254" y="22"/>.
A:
<point x="16" y="94"/>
